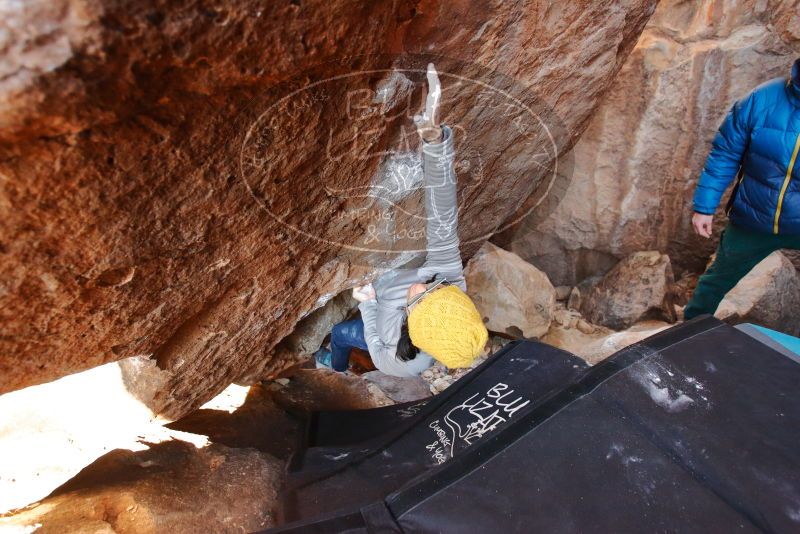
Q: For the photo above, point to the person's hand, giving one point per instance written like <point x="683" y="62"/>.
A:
<point x="427" y="123"/>
<point x="363" y="293"/>
<point x="702" y="224"/>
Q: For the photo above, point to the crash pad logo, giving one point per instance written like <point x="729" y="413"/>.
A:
<point x="333" y="154"/>
<point x="472" y="419"/>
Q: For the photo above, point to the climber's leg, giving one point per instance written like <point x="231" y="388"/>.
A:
<point x="739" y="251"/>
<point x="344" y="337"/>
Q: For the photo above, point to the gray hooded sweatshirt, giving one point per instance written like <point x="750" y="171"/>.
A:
<point x="383" y="316"/>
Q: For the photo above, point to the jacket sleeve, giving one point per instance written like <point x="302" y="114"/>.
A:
<point x="382" y="354"/>
<point x="369" y="312"/>
<point x="441" y="203"/>
<point x="725" y="158"/>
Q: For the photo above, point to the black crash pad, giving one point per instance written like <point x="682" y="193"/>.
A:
<point x="696" y="429"/>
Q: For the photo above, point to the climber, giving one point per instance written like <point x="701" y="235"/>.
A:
<point x="759" y="141"/>
<point x="414" y="315"/>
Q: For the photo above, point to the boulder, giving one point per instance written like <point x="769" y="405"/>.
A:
<point x="634" y="290"/>
<point x="638" y="162"/>
<point x="56" y="429"/>
<point x="575" y="299"/>
<point x="164" y="195"/>
<point x="768" y="296"/>
<point x="170" y="487"/>
<point x="512" y="296"/>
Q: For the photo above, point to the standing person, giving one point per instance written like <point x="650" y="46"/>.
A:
<point x="759" y="140"/>
<point x="413" y="316"/>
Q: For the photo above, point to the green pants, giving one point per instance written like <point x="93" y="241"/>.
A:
<point x="739" y="251"/>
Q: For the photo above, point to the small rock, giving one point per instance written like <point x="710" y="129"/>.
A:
<point x="585" y="327"/>
<point x="634" y="290"/>
<point x="440" y="384"/>
<point x="601" y="343"/>
<point x="562" y="316"/>
<point x="513" y="296"/>
<point x="574" y="302"/>
<point x="573" y="321"/>
<point x="562" y="292"/>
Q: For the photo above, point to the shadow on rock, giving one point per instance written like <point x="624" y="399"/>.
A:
<point x="259" y="423"/>
<point x="170" y="487"/>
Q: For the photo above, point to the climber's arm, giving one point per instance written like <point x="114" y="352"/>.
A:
<point x="441" y="200"/>
<point x="441" y="203"/>
<point x="368" y="306"/>
<point x="369" y="314"/>
<point x="383" y="355"/>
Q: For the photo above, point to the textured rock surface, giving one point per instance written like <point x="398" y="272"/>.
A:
<point x="638" y="161"/>
<point x="794" y="257"/>
<point x="171" y="487"/>
<point x="635" y="289"/>
<point x="54" y="430"/>
<point x="512" y="296"/>
<point x="598" y="344"/>
<point x="769" y="296"/>
<point x="126" y="223"/>
<point x="397" y="388"/>
<point x="323" y="389"/>
<point x="257" y="423"/>
<point x="310" y="332"/>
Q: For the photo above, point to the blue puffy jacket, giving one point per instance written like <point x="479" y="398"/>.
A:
<point x="760" y="136"/>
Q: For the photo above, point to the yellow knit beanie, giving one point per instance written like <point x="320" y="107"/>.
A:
<point x="446" y="325"/>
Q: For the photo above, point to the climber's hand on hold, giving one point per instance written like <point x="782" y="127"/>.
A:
<point x="363" y="293"/>
<point x="427" y="123"/>
<point x="702" y="224"/>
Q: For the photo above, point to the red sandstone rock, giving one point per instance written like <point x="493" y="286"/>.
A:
<point x="638" y="162"/>
<point x="138" y="167"/>
<point x="171" y="487"/>
<point x="769" y="295"/>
